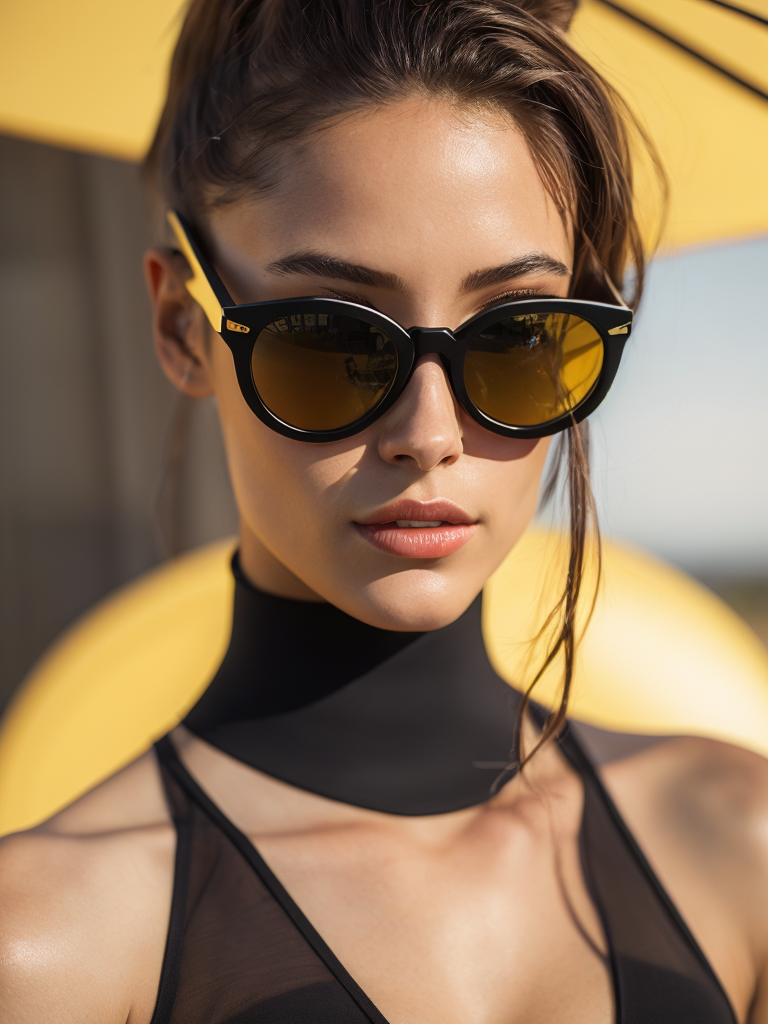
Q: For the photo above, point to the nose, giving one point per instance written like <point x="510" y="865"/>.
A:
<point x="423" y="427"/>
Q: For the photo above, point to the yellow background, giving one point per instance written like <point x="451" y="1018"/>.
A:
<point x="90" y="74"/>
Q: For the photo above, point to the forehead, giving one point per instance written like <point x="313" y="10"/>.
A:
<point x="418" y="179"/>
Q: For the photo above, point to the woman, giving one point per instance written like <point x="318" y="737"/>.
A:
<point x="398" y="232"/>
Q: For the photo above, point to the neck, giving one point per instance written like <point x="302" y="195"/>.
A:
<point x="406" y="723"/>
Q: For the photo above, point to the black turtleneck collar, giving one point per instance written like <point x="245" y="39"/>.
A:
<point x="406" y="723"/>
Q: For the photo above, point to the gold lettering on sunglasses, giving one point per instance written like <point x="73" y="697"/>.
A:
<point x="241" y="328"/>
<point x="624" y="329"/>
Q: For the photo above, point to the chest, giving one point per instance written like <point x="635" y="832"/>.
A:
<point x="491" y="927"/>
<point x="481" y="925"/>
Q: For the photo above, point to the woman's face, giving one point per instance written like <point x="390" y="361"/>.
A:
<point x="430" y="214"/>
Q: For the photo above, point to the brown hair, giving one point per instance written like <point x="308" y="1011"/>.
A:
<point x="251" y="79"/>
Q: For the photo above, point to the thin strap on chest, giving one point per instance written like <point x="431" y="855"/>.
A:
<point x="239" y="949"/>
<point x="659" y="970"/>
<point x="182" y="813"/>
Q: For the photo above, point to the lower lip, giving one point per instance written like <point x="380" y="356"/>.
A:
<point x="418" y="541"/>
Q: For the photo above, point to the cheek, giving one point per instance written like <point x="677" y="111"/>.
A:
<point x="523" y="457"/>
<point x="281" y="484"/>
<point x="507" y="474"/>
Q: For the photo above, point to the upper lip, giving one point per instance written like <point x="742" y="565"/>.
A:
<point x="419" y="511"/>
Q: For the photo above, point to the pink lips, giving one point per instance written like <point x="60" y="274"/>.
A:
<point x="455" y="529"/>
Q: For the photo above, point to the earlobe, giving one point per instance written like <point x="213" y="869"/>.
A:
<point x="179" y="327"/>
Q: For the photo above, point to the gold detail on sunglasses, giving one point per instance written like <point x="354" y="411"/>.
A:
<point x="241" y="328"/>
<point x="624" y="329"/>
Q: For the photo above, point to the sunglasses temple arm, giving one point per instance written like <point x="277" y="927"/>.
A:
<point x="205" y="286"/>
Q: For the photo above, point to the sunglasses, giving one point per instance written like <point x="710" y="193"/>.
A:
<point x="320" y="370"/>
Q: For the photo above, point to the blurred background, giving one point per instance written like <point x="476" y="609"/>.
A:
<point x="91" y="447"/>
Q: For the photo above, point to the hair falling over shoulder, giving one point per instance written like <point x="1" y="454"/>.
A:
<point x="251" y="80"/>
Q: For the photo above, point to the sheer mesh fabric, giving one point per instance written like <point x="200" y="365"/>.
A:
<point x="235" y="953"/>
<point x="239" y="951"/>
<point x="660" y="975"/>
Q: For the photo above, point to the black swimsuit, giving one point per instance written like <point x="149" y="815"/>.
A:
<point x="240" y="951"/>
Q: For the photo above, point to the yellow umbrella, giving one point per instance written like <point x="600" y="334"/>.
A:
<point x="90" y="75"/>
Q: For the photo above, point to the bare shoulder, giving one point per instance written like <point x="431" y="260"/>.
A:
<point x="84" y="905"/>
<point x="715" y="792"/>
<point x="709" y="783"/>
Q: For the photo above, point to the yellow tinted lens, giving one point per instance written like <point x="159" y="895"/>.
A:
<point x="318" y="371"/>
<point x="527" y="370"/>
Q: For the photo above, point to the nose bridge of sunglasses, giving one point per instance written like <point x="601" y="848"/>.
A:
<point x="433" y="340"/>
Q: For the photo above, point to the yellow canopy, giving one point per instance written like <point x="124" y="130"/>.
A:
<point x="90" y="75"/>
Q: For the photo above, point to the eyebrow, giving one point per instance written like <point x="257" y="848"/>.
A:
<point x="530" y="263"/>
<point x="324" y="265"/>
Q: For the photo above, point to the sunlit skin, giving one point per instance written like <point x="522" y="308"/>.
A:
<point x="427" y="195"/>
<point x="431" y="195"/>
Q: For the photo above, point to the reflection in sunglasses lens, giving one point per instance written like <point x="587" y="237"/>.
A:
<point x="319" y="371"/>
<point x="527" y="370"/>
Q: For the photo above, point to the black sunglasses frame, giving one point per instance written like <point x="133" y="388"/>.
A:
<point x="240" y="325"/>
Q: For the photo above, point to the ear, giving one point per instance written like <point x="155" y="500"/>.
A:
<point x="179" y="326"/>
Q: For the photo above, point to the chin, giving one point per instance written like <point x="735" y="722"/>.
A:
<point x="413" y="600"/>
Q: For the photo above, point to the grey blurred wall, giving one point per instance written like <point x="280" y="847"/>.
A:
<point x="85" y="413"/>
